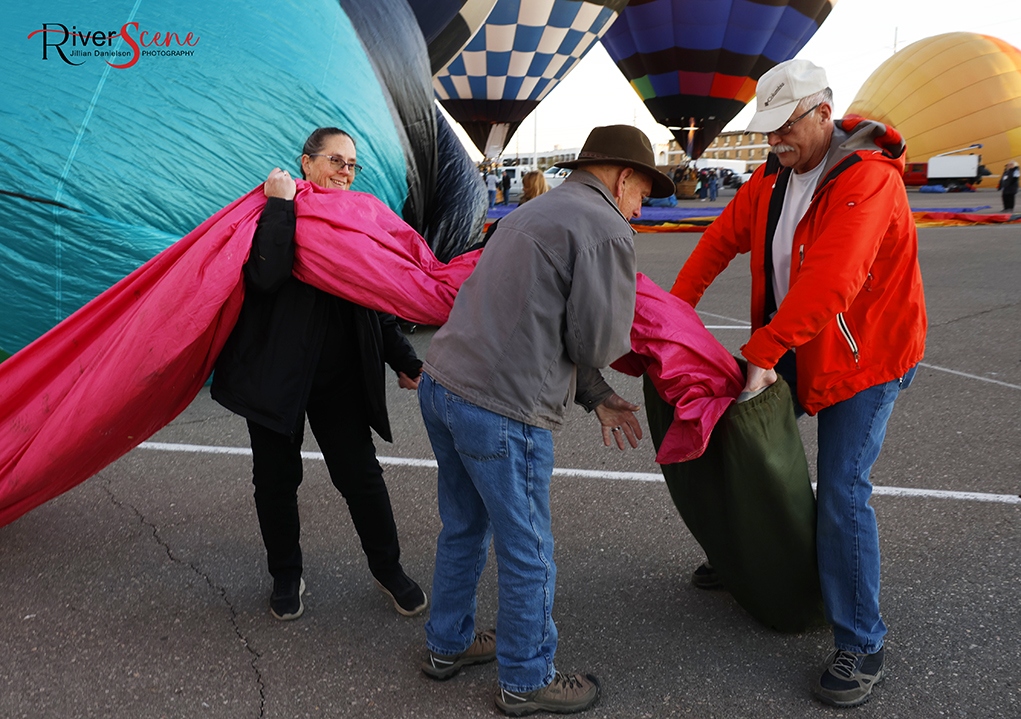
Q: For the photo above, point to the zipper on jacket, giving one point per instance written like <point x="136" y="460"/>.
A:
<point x="844" y="330"/>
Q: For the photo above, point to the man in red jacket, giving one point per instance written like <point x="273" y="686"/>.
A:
<point x="838" y="311"/>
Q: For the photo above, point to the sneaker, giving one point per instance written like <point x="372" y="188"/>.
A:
<point x="705" y="577"/>
<point x="285" y="602"/>
<point x="849" y="677"/>
<point x="444" y="666"/>
<point x="407" y="596"/>
<point x="566" y="694"/>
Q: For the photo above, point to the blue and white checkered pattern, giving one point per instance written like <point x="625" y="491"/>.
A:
<point x="525" y="48"/>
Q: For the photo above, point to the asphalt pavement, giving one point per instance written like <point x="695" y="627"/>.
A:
<point x="143" y="592"/>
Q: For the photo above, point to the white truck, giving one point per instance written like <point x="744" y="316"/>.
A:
<point x="956" y="171"/>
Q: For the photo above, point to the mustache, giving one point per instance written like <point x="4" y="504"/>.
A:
<point x="776" y="149"/>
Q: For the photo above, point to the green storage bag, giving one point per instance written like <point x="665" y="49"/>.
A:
<point x="748" y="501"/>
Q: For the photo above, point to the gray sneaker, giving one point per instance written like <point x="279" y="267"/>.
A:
<point x="849" y="677"/>
<point x="444" y="666"/>
<point x="566" y="694"/>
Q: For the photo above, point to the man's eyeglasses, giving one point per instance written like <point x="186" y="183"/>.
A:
<point x="339" y="163"/>
<point x="785" y="129"/>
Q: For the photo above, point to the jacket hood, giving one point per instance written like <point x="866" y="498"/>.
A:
<point x="856" y="134"/>
<point x="856" y="139"/>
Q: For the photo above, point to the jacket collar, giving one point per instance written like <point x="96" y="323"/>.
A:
<point x="587" y="178"/>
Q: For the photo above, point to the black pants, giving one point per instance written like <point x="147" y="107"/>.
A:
<point x="1008" y="201"/>
<point x="346" y="443"/>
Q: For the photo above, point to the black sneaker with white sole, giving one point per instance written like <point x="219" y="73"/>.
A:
<point x="407" y="596"/>
<point x="850" y="677"/>
<point x="285" y="602"/>
<point x="444" y="666"/>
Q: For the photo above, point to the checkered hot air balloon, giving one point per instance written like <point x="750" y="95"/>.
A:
<point x="448" y="25"/>
<point x="524" y="49"/>
<point x="696" y="63"/>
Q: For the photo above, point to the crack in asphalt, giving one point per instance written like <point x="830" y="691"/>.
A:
<point x="976" y="314"/>
<point x="219" y="590"/>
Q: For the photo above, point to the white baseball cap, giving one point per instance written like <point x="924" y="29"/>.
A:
<point x="780" y="90"/>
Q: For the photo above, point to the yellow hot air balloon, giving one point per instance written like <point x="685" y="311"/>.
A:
<point x="947" y="92"/>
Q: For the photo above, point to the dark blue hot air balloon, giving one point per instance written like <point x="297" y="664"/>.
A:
<point x="695" y="63"/>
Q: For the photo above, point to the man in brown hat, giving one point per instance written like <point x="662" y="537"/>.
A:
<point x="551" y="300"/>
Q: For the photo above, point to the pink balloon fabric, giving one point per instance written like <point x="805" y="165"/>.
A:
<point x="690" y="369"/>
<point x="114" y="373"/>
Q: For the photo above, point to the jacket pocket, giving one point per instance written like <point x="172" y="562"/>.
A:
<point x="845" y="331"/>
<point x="477" y="432"/>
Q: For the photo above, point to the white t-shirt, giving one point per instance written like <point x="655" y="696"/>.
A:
<point x="795" y="205"/>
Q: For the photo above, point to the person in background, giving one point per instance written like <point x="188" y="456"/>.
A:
<point x="533" y="184"/>
<point x="491" y="185"/>
<point x="838" y="310"/>
<point x="713" y="185"/>
<point x="505" y="183"/>
<point x="551" y="300"/>
<point x="1008" y="185"/>
<point x="297" y="351"/>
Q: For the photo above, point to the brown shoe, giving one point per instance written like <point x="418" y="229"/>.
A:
<point x="566" y="694"/>
<point x="444" y="666"/>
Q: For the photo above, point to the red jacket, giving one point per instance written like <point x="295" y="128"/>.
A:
<point x="855" y="310"/>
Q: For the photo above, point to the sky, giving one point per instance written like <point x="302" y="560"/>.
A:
<point x="856" y="38"/>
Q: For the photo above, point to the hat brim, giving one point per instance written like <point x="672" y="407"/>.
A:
<point x="662" y="185"/>
<point x="765" y="121"/>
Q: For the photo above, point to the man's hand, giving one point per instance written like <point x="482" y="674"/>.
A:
<point x="616" y="415"/>
<point x="280" y="184"/>
<point x="405" y="382"/>
<point x="759" y="378"/>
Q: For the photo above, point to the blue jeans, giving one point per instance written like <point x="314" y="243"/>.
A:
<point x="851" y="434"/>
<point x="492" y="198"/>
<point x="494" y="480"/>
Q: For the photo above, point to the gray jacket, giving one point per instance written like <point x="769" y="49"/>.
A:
<point x="553" y="296"/>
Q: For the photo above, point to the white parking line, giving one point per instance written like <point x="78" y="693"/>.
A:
<point x="920" y="364"/>
<point x="589" y="473"/>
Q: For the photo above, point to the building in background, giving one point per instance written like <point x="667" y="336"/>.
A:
<point x="751" y="148"/>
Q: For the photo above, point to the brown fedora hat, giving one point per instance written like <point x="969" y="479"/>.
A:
<point x="622" y="145"/>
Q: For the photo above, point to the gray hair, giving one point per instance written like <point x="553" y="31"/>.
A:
<point x="823" y="96"/>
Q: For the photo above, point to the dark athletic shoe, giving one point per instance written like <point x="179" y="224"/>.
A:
<point x="285" y="602"/>
<point x="566" y="694"/>
<point x="407" y="596"/>
<point x="705" y="577"/>
<point x="849" y="677"/>
<point x="444" y="666"/>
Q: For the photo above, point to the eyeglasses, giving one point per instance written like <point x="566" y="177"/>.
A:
<point x="339" y="163"/>
<point x="785" y="129"/>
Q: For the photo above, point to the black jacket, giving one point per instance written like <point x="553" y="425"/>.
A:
<point x="1009" y="181"/>
<point x="267" y="366"/>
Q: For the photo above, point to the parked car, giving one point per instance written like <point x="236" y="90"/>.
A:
<point x="728" y="178"/>
<point x="555" y="175"/>
<point x="915" y="173"/>
<point x="742" y="178"/>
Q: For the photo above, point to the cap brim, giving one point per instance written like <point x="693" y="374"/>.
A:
<point x="765" y="121"/>
<point x="662" y="185"/>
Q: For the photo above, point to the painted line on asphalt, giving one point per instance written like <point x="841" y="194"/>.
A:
<point x="589" y="473"/>
<point x="920" y="364"/>
<point x="969" y="376"/>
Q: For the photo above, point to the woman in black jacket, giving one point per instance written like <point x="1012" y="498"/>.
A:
<point x="298" y="351"/>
